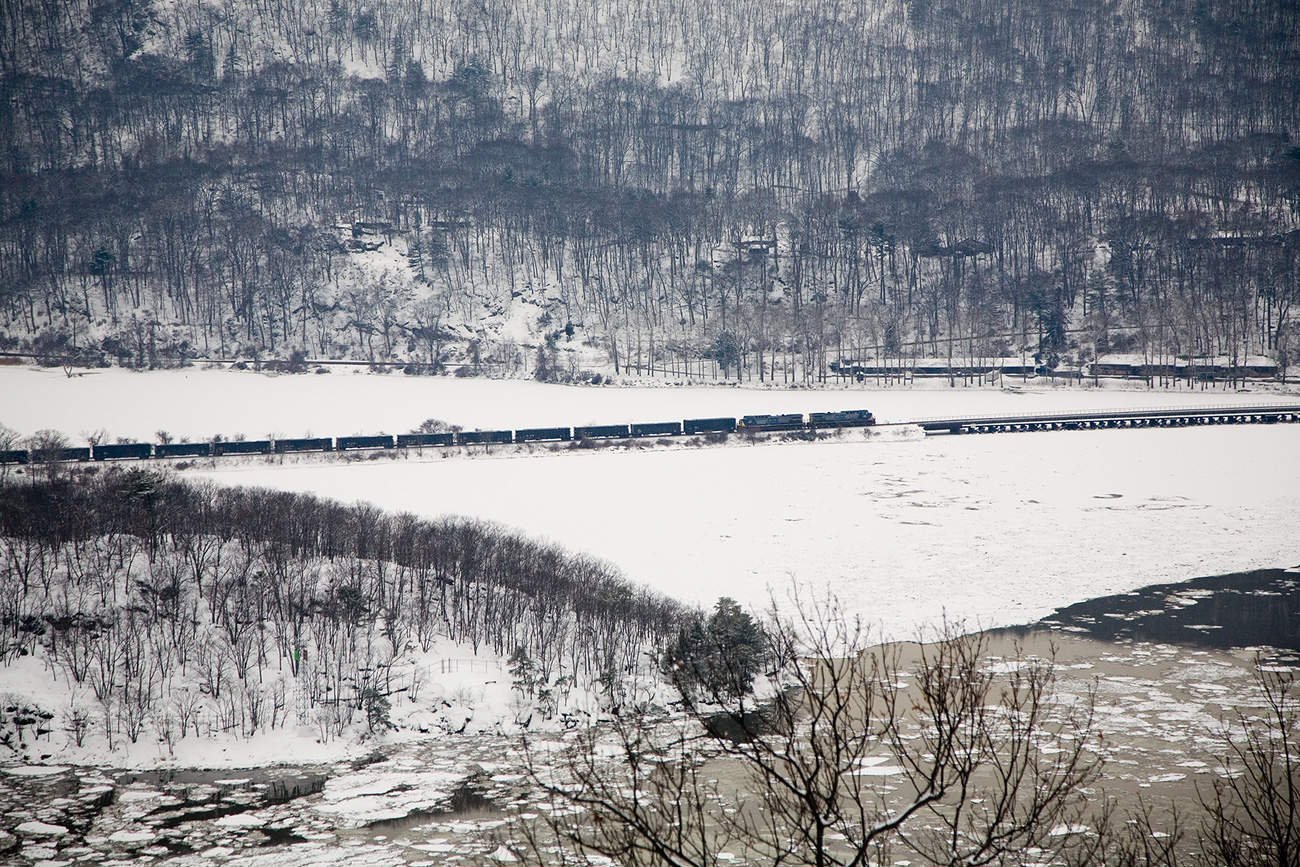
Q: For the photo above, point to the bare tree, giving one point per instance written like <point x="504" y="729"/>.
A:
<point x="1144" y="835"/>
<point x="46" y="448"/>
<point x="1248" y="817"/>
<point x="10" y="440"/>
<point x="1253" y="810"/>
<point x="857" y="752"/>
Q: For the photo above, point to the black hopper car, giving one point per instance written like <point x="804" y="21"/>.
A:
<point x="543" y="434"/>
<point x="657" y="429"/>
<point x="691" y="426"/>
<point x="409" y="441"/>
<point x="118" y="451"/>
<point x="483" y="437"/>
<point x="708" y="425"/>
<point x="183" y="450"/>
<point x="311" y="444"/>
<point x="376" y="442"/>
<point x="24" y="456"/>
<point x="244" y="447"/>
<point x="602" y="431"/>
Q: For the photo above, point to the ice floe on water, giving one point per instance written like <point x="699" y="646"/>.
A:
<point x="384" y="794"/>
<point x="39" y="829"/>
<point x="876" y="766"/>
<point x="35" y="770"/>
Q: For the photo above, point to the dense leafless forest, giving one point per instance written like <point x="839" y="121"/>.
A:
<point x="736" y="186"/>
<point x="183" y="608"/>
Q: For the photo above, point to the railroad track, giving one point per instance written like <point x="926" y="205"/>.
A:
<point x="1183" y="416"/>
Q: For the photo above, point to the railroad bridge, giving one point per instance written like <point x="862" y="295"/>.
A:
<point x="1178" y="416"/>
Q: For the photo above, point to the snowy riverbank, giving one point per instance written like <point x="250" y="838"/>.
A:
<point x="198" y="403"/>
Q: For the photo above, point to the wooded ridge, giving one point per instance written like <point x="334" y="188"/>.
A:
<point x="185" y="606"/>
<point x="691" y="189"/>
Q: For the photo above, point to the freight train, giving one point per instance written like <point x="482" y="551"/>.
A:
<point x="689" y="427"/>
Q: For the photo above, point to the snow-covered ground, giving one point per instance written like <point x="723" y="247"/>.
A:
<point x="994" y="529"/>
<point x="458" y="693"/>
